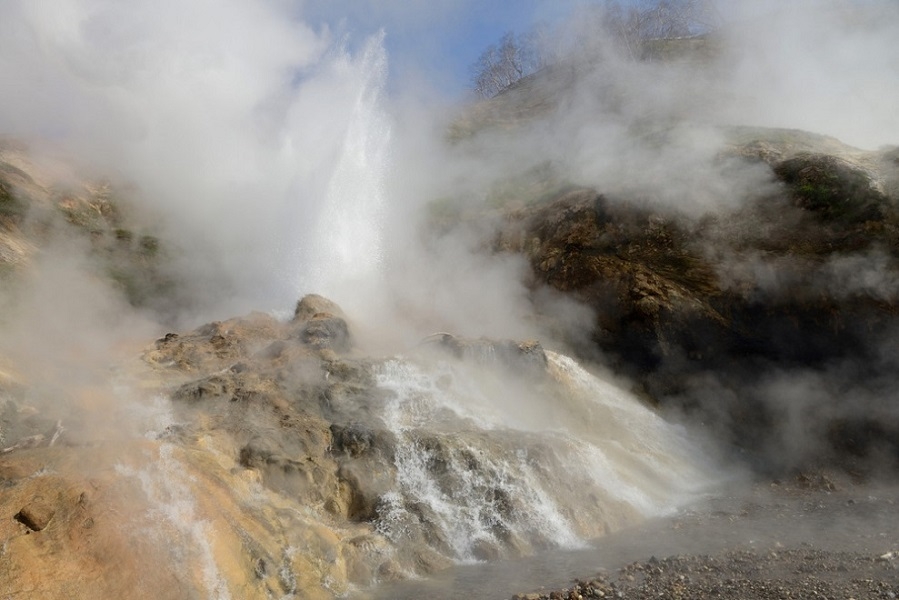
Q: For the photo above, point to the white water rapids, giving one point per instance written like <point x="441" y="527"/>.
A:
<point x="486" y="464"/>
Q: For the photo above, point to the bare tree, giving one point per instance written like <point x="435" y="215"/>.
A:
<point x="633" y="25"/>
<point x="500" y="66"/>
<point x="605" y="26"/>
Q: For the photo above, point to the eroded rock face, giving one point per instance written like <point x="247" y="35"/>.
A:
<point x="291" y="407"/>
<point x="639" y="270"/>
<point x="272" y="391"/>
<point x="362" y="467"/>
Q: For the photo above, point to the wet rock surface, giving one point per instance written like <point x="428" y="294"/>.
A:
<point x="274" y="471"/>
<point x="276" y="462"/>
<point x="526" y="358"/>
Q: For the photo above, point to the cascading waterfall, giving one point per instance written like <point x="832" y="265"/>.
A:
<point x="476" y="480"/>
<point x="467" y="489"/>
<point x="653" y="463"/>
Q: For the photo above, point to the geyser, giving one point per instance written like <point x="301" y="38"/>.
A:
<point x="342" y="257"/>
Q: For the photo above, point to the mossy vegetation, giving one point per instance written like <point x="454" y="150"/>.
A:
<point x="148" y="246"/>
<point x="141" y="286"/>
<point x="125" y="236"/>
<point x="832" y="189"/>
<point x="132" y="259"/>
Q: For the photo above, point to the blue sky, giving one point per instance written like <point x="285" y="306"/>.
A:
<point x="434" y="41"/>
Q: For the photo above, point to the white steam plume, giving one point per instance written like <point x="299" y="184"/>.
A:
<point x="283" y="167"/>
<point x="228" y="117"/>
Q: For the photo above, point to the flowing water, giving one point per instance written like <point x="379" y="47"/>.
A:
<point x="485" y="465"/>
<point x="489" y="468"/>
<point x="174" y="512"/>
<point x="492" y="465"/>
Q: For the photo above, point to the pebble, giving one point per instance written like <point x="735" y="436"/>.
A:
<point x="742" y="574"/>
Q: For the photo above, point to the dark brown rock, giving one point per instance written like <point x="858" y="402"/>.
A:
<point x="326" y="332"/>
<point x="684" y="305"/>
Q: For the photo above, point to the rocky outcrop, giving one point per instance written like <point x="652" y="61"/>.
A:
<point x="799" y="277"/>
<point x="254" y="488"/>
<point x="281" y="465"/>
<point x="322" y="324"/>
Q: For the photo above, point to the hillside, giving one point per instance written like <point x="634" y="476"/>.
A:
<point x="45" y="205"/>
<point x="714" y="312"/>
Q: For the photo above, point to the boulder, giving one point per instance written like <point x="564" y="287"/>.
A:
<point x="311" y="305"/>
<point x="320" y="324"/>
<point x="36" y="515"/>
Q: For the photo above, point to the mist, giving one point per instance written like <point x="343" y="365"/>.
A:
<point x="275" y="148"/>
<point x="245" y="128"/>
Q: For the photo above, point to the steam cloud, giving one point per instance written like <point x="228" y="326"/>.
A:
<point x="236" y="120"/>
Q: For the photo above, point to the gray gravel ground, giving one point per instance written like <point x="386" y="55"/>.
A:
<point x="815" y="536"/>
<point x="788" y="573"/>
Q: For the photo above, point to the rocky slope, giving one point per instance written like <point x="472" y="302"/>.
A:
<point x="701" y="309"/>
<point x="258" y="457"/>
<point x="765" y="309"/>
<point x="46" y="203"/>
